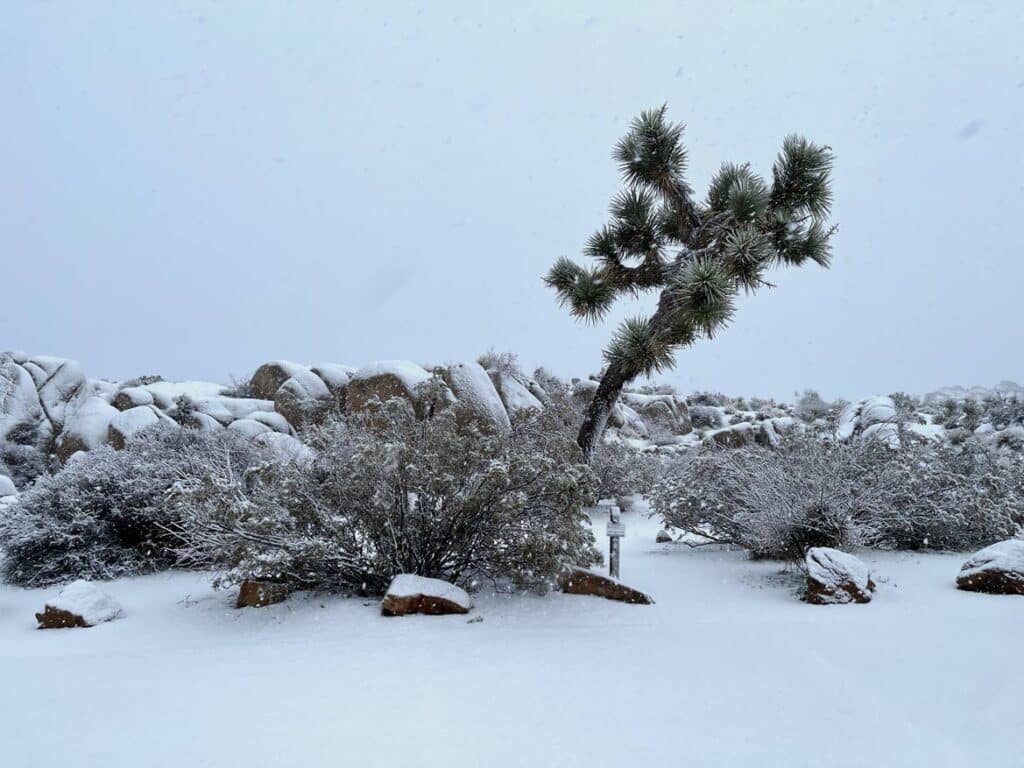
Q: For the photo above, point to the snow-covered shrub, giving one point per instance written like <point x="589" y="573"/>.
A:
<point x="23" y="461"/>
<point x="1004" y="410"/>
<point x="810" y="406"/>
<point x="956" y="496"/>
<point x="240" y="387"/>
<point x="103" y="514"/>
<point x="623" y="470"/>
<point x="780" y="502"/>
<point x="811" y="491"/>
<point x="396" y="494"/>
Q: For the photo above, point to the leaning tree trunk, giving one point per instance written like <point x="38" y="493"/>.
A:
<point x="596" y="417"/>
<point x="615" y="379"/>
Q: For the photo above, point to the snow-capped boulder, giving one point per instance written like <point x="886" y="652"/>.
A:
<point x="167" y="393"/>
<point x="203" y="422"/>
<point x="515" y="394"/>
<point x="304" y="399"/>
<point x="87" y="427"/>
<point x="666" y="412"/>
<point x="19" y="401"/>
<point x="335" y="376"/>
<point x="249" y="428"/>
<point x="997" y="569"/>
<point x="835" y="577"/>
<point x="287" y="447"/>
<point x="132" y="397"/>
<point x="59" y="383"/>
<point x="257" y="594"/>
<point x="79" y="604"/>
<point x="765" y="434"/>
<point x="227" y="409"/>
<point x="127" y="423"/>
<point x="7" y="487"/>
<point x="416" y="594"/>
<point x="379" y="382"/>
<point x="873" y="419"/>
<point x="578" y="581"/>
<point x="476" y="398"/>
<point x="269" y="377"/>
<point x="663" y="537"/>
<point x="737" y="436"/>
<point x="627" y="421"/>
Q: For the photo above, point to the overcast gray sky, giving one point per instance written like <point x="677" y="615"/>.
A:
<point x="193" y="188"/>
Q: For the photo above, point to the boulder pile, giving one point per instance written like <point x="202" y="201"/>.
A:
<point x="49" y="403"/>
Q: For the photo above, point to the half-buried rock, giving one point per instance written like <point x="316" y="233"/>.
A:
<point x="79" y="604"/>
<point x="997" y="570"/>
<point x="416" y="594"/>
<point x="835" y="578"/>
<point x="256" y="594"/>
<point x="577" y="581"/>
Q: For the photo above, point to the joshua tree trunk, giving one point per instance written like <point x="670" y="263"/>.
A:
<point x="596" y="417"/>
<point x="616" y="376"/>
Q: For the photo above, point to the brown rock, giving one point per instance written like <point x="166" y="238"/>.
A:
<point x="269" y="377"/>
<point x="256" y="594"/>
<point x="376" y="384"/>
<point x="577" y="581"/>
<point x="835" y="578"/>
<point x="997" y="569"/>
<point x="737" y="436"/>
<point x="55" y="618"/>
<point x="430" y="606"/>
<point x="416" y="594"/>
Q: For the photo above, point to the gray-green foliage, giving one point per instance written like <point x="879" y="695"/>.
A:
<point x="811" y="491"/>
<point x="103" y="515"/>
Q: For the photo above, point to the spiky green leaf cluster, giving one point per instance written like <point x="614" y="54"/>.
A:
<point x="801" y="178"/>
<point x="702" y="295"/>
<point x="652" y="153"/>
<point x="722" y="245"/>
<point x="587" y="294"/>
<point x="746" y="254"/>
<point x="639" y="345"/>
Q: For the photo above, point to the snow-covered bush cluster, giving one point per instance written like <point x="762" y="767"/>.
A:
<point x="103" y="515"/>
<point x="392" y="493"/>
<point x="812" y="490"/>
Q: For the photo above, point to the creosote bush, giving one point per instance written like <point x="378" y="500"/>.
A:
<point x="811" y="492"/>
<point x="396" y="494"/>
<point x="103" y="515"/>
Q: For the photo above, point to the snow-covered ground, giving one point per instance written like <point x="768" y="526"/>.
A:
<point x="727" y="669"/>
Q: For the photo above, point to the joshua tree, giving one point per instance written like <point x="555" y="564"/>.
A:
<point x="697" y="254"/>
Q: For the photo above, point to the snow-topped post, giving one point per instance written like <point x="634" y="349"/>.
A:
<point x="616" y="529"/>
